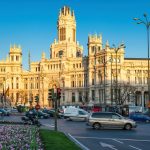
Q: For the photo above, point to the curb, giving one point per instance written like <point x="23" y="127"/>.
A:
<point x="83" y="147"/>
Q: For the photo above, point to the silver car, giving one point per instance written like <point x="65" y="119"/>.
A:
<point x="109" y="120"/>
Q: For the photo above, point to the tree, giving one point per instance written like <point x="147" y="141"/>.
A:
<point x="124" y="92"/>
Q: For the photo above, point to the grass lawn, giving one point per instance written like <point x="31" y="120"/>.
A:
<point x="53" y="140"/>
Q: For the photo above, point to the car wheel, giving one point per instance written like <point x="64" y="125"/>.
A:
<point x="96" y="126"/>
<point x="147" y="121"/>
<point x="128" y="126"/>
<point x="41" y="117"/>
<point x="70" y="119"/>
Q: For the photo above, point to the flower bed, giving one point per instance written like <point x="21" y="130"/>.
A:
<point x="19" y="137"/>
<point x="10" y="122"/>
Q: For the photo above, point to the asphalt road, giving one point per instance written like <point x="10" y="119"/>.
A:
<point x="105" y="139"/>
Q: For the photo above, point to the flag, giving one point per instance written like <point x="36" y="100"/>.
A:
<point x="7" y="91"/>
<point x="3" y="92"/>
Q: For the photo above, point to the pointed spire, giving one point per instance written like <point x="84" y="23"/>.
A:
<point x="107" y="44"/>
<point x="73" y="13"/>
<point x="43" y="55"/>
<point x="7" y="58"/>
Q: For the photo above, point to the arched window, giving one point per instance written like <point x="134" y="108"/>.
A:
<point x="78" y="53"/>
<point x="60" y="53"/>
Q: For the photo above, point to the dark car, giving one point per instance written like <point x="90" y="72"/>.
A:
<point x="43" y="115"/>
<point x="147" y="112"/>
<point x="4" y="112"/>
<point x="31" y="113"/>
<point x="139" y="117"/>
<point x="51" y="112"/>
<point x="39" y="113"/>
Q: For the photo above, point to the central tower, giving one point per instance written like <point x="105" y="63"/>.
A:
<point x="66" y="46"/>
<point x="66" y="25"/>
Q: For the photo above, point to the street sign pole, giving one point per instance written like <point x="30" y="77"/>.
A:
<point x="55" y="114"/>
<point x="55" y="102"/>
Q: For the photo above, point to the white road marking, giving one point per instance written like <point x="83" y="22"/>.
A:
<point x="84" y="147"/>
<point x="138" y="140"/>
<point x="118" y="141"/>
<point x="108" y="146"/>
<point x="49" y="125"/>
<point x="135" y="147"/>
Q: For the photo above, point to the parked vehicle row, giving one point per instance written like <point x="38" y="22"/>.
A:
<point x="43" y="113"/>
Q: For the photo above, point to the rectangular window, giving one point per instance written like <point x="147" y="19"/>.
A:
<point x="80" y="97"/>
<point x="63" y="97"/>
<point x="26" y="86"/>
<point x="17" y="58"/>
<point x="93" y="95"/>
<point x="73" y="85"/>
<point x="73" y="35"/>
<point x="12" y="58"/>
<point x="135" y="80"/>
<point x="17" y="85"/>
<point x="73" y="97"/>
<point x="92" y="81"/>
<point x="79" y="83"/>
<point x="37" y="85"/>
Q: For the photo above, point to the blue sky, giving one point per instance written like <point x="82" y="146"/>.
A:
<point x="32" y="24"/>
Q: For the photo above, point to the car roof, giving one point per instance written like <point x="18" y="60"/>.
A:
<point x="104" y="113"/>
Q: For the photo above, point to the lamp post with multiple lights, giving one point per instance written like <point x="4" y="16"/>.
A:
<point x="116" y="49"/>
<point x="146" y="22"/>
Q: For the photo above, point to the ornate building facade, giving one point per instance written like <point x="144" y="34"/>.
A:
<point x="102" y="77"/>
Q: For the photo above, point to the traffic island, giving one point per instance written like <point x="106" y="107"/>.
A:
<point x="54" y="140"/>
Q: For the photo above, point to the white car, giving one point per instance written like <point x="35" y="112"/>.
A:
<point x="75" y="114"/>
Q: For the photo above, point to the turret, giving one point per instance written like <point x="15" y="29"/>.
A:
<point x="15" y="54"/>
<point x="66" y="25"/>
<point x="94" y="44"/>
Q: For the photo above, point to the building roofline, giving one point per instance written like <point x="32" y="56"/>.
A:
<point x="135" y="58"/>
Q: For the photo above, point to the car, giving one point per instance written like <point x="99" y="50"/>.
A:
<point x="72" y="113"/>
<point x="51" y="113"/>
<point x="39" y="113"/>
<point x="43" y="115"/>
<point x="99" y="120"/>
<point x="147" y="112"/>
<point x="4" y="112"/>
<point x="139" y="117"/>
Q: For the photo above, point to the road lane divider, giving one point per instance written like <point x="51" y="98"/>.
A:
<point x="77" y="142"/>
<point x="135" y="147"/>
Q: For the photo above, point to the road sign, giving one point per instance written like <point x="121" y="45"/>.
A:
<point x="37" y="107"/>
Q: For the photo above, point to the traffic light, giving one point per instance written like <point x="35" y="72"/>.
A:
<point x="58" y="93"/>
<point x="50" y="94"/>
<point x="36" y="98"/>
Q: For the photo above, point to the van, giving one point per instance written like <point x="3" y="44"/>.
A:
<point x="73" y="113"/>
<point x="100" y="120"/>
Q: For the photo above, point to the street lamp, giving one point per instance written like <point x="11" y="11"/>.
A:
<point x="105" y="61"/>
<point x="116" y="49"/>
<point x="147" y="25"/>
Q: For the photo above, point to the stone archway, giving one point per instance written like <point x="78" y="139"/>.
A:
<point x="51" y="85"/>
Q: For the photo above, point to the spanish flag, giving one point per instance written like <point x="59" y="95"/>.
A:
<point x="7" y="92"/>
<point x="3" y="92"/>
